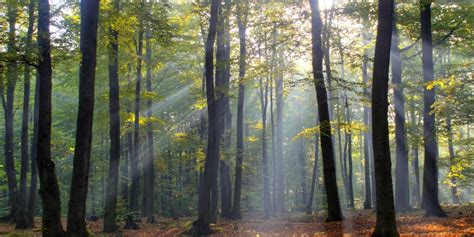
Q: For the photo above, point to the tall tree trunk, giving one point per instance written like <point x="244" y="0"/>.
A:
<point x="34" y="166"/>
<point x="22" y="221"/>
<point x="201" y="225"/>
<point x="76" y="225"/>
<point x="12" y="74"/>
<point x="332" y="195"/>
<point x="110" y="213"/>
<point x="350" y="173"/>
<point x="49" y="187"/>
<point x="367" y="159"/>
<point x="135" y="184"/>
<point x="263" y="88"/>
<point x="149" y="168"/>
<point x="402" y="190"/>
<point x="385" y="224"/>
<point x="226" y="184"/>
<point x="242" y="25"/>
<point x="430" y="175"/>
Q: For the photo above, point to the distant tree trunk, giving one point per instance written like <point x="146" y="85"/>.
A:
<point x="49" y="188"/>
<point x="332" y="195"/>
<point x="201" y="225"/>
<point x="242" y="25"/>
<point x="350" y="173"/>
<point x="454" y="191"/>
<point x="22" y="222"/>
<point x="315" y="176"/>
<point x="263" y="89"/>
<point x="110" y="214"/>
<point x="12" y="74"/>
<point x="76" y="225"/>
<point x="302" y="164"/>
<point x="134" y="187"/>
<point x="367" y="159"/>
<point x="34" y="166"/>
<point x="385" y="224"/>
<point x="402" y="187"/>
<point x="430" y="175"/>
<point x="415" y="162"/>
<point x="149" y="168"/>
<point x="280" y="165"/>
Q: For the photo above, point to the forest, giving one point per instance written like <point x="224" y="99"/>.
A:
<point x="236" y="118"/>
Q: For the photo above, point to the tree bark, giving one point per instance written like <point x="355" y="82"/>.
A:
<point x="22" y="222"/>
<point x="242" y="26"/>
<point x="315" y="176"/>
<point x="430" y="175"/>
<point x="201" y="225"/>
<point x="34" y="165"/>
<point x="367" y="159"/>
<point x="49" y="187"/>
<point x="332" y="195"/>
<point x="110" y="214"/>
<point x="385" y="224"/>
<point x="402" y="187"/>
<point x="149" y="168"/>
<point x="135" y="174"/>
<point x="76" y="225"/>
<point x="12" y="74"/>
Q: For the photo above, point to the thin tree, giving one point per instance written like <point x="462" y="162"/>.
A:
<point x="201" y="225"/>
<point x="33" y="160"/>
<point x="242" y="9"/>
<point x="22" y="222"/>
<point x="7" y="103"/>
<point x="332" y="195"/>
<point x="76" y="225"/>
<point x="49" y="188"/>
<point x="385" y="224"/>
<point x="402" y="190"/>
<point x="430" y="200"/>
<point x="315" y="175"/>
<point x="149" y="169"/>
<point x="110" y="212"/>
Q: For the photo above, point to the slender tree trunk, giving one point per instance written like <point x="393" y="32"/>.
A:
<point x="367" y="159"/>
<point x="22" y="221"/>
<point x="402" y="187"/>
<point x="415" y="162"/>
<point x="242" y="25"/>
<point x="332" y="195"/>
<point x="452" y="162"/>
<point x="34" y="166"/>
<point x="263" y="88"/>
<point x="135" y="184"/>
<point x="49" y="187"/>
<point x="350" y="173"/>
<point x="201" y="225"/>
<point x="149" y="168"/>
<point x="12" y="74"/>
<point x="110" y="214"/>
<point x="302" y="161"/>
<point x="430" y="175"/>
<point x="385" y="224"/>
<point x="76" y="225"/>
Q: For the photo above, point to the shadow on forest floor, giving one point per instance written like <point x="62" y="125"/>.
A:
<point x="356" y="223"/>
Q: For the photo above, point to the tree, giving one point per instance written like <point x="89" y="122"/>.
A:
<point x="315" y="175"/>
<point x="430" y="173"/>
<point x="76" y="225"/>
<point x="385" y="224"/>
<point x="22" y="222"/>
<point x="242" y="11"/>
<point x="332" y="195"/>
<point x="110" y="214"/>
<point x="7" y="103"/>
<point x="201" y="225"/>
<point x="49" y="188"/>
<point x="149" y="170"/>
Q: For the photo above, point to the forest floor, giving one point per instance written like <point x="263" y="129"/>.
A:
<point x="356" y="223"/>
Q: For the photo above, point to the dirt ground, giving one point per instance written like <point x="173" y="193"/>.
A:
<point x="356" y="223"/>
